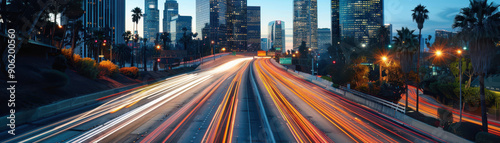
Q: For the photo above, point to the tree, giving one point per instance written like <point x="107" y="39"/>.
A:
<point x="480" y="24"/>
<point x="136" y="16"/>
<point x="302" y="50"/>
<point x="165" y="37"/>
<point x="73" y="12"/>
<point x="144" y="54"/>
<point x="122" y="52"/>
<point x="406" y="47"/>
<point x="419" y="15"/>
<point x="349" y="46"/>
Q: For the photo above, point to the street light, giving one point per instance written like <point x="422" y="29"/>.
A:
<point x="158" y="47"/>
<point x="223" y="49"/>
<point x="459" y="52"/>
<point x="293" y="55"/>
<point x="213" y="50"/>
<point x="363" y="45"/>
<point x="384" y="59"/>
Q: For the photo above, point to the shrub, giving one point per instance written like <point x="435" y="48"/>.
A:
<point x="465" y="130"/>
<point x="66" y="53"/>
<point x="60" y="63"/>
<point x="88" y="68"/>
<point x="54" y="78"/>
<point x="130" y="71"/>
<point x="484" y="137"/>
<point x="76" y="59"/>
<point x="445" y="117"/>
<point x="107" y="68"/>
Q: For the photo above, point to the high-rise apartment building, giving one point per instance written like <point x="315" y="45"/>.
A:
<point x="104" y="15"/>
<point x="360" y="19"/>
<point x="305" y="23"/>
<point x="324" y="40"/>
<point x="171" y="9"/>
<point x="151" y="20"/>
<point x="276" y="36"/>
<point x="389" y="31"/>
<point x="253" y="23"/>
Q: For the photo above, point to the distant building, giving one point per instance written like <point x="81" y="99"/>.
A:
<point x="227" y="22"/>
<point x="389" y="30"/>
<point x="324" y="40"/>
<point x="263" y="43"/>
<point x="176" y="24"/>
<point x="253" y="26"/>
<point x="151" y="20"/>
<point x="171" y="9"/>
<point x="276" y="36"/>
<point x="444" y="34"/>
<point x="335" y="29"/>
<point x="305" y="23"/>
<point x="360" y="19"/>
<point x="111" y="18"/>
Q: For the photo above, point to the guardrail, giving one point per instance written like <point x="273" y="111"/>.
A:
<point x="270" y="135"/>
<point x="396" y="106"/>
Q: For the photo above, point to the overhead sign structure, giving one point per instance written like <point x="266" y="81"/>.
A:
<point x="261" y="53"/>
<point x="286" y="61"/>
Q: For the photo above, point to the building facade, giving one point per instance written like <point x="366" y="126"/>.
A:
<point x="335" y="29"/>
<point x="276" y="36"/>
<point x="177" y="23"/>
<point x="360" y="19"/>
<point x="305" y="23"/>
<point x="263" y="43"/>
<point x="151" y="20"/>
<point x="171" y="9"/>
<point x="253" y="23"/>
<point x="324" y="40"/>
<point x="389" y="30"/>
<point x="106" y="15"/>
<point x="227" y="21"/>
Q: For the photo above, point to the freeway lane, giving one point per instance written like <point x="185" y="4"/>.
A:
<point x="128" y="117"/>
<point x="338" y="118"/>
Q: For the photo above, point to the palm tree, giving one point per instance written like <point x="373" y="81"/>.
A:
<point x="74" y="11"/>
<point x="127" y="35"/>
<point x="479" y="24"/>
<point x="419" y="15"/>
<point x="122" y="52"/>
<point x="136" y="16"/>
<point x="406" y="47"/>
<point x="165" y="37"/>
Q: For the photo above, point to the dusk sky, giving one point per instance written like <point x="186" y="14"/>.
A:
<point x="397" y="12"/>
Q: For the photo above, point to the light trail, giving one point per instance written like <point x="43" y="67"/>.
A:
<point x="300" y="127"/>
<point x="430" y="108"/>
<point x="342" y="115"/>
<point x="221" y="127"/>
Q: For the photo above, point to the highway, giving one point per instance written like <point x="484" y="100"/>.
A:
<point x="232" y="99"/>
<point x="328" y="115"/>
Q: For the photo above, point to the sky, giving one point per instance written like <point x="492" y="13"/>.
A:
<point x="396" y="12"/>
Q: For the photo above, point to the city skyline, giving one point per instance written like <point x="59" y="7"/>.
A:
<point x="396" y="12"/>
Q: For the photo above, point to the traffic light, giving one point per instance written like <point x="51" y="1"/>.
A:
<point x="334" y="62"/>
<point x="95" y="41"/>
<point x="104" y="41"/>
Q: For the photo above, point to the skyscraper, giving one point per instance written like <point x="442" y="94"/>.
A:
<point x="171" y="10"/>
<point x="276" y="36"/>
<point x="236" y="21"/>
<point x="253" y="16"/>
<point x="227" y="21"/>
<point x="263" y="43"/>
<point x="360" y="19"/>
<point x="389" y="30"/>
<point x="324" y="39"/>
<point x="305" y="23"/>
<point x="176" y="24"/>
<point x="151" y="20"/>
<point x="105" y="15"/>
<point x="335" y="35"/>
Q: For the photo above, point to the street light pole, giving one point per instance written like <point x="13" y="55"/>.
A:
<point x="460" y="68"/>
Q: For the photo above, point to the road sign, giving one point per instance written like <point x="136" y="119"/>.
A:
<point x="272" y="54"/>
<point x="261" y="53"/>
<point x="286" y="61"/>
